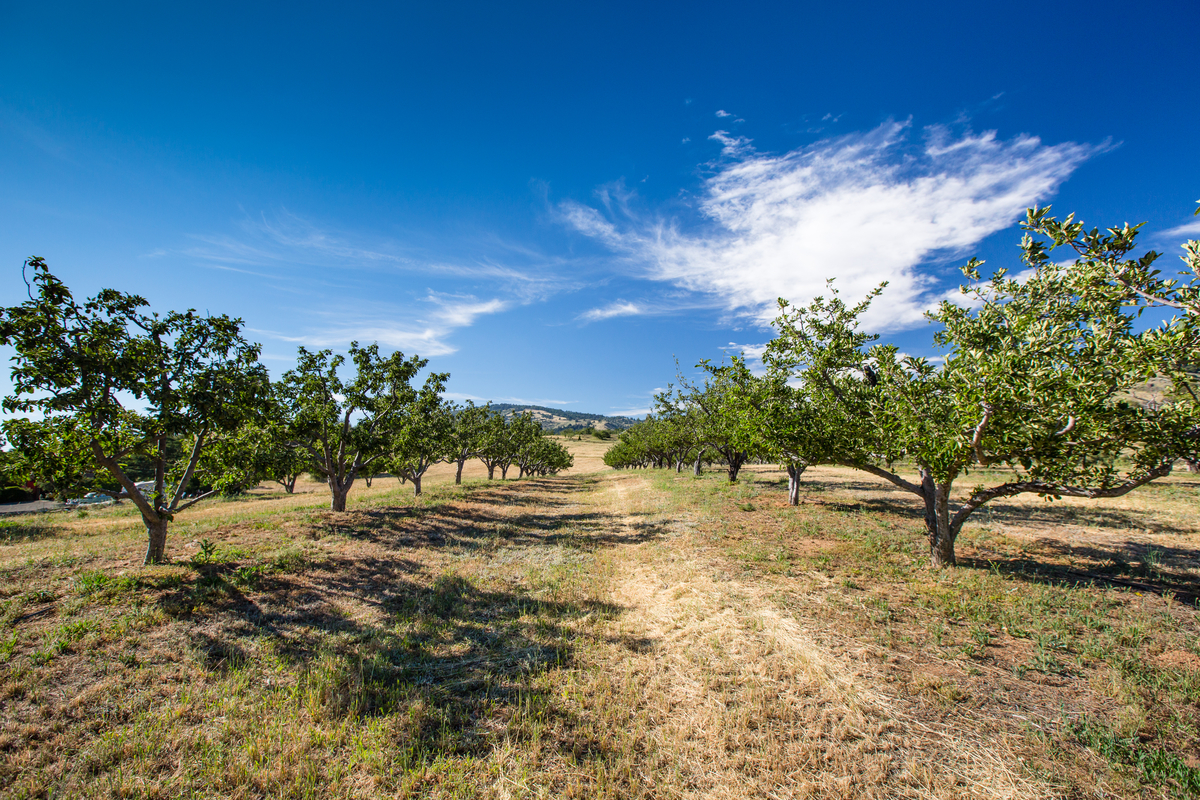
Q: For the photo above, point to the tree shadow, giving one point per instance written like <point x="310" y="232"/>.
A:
<point x="28" y="529"/>
<point x="485" y="517"/>
<point x="456" y="663"/>
<point x="1116" y="574"/>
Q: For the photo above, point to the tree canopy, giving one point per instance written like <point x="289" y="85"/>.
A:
<point x="346" y="425"/>
<point x="106" y="380"/>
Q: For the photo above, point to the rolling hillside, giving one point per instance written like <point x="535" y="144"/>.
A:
<point x="555" y="419"/>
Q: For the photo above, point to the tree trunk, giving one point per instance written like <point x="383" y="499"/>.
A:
<point x="1193" y="466"/>
<point x="491" y="472"/>
<point x="734" y="467"/>
<point x="697" y="468"/>
<point x="338" y="503"/>
<point x="416" y="486"/>
<point x="156" y="545"/>
<point x="458" y="475"/>
<point x="504" y="472"/>
<point x="794" y="472"/>
<point x="937" y="522"/>
<point x="679" y="466"/>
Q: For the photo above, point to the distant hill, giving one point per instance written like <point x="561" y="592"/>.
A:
<point x="556" y="419"/>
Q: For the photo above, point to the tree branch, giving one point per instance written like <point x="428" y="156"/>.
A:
<point x="148" y="511"/>
<point x="977" y="439"/>
<point x="891" y="477"/>
<point x="978" y="498"/>
<point x="187" y="473"/>
<point x="195" y="500"/>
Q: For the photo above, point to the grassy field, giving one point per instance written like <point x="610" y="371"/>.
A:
<point x="604" y="634"/>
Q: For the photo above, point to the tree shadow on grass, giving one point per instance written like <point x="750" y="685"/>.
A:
<point x="454" y="664"/>
<point x="1120" y="563"/>
<point x="27" y="529"/>
<point x="482" y="516"/>
<point x="1130" y="566"/>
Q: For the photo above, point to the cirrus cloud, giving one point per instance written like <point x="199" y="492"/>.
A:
<point x="862" y="208"/>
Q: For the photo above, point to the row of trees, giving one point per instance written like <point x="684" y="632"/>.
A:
<point x="107" y="389"/>
<point x="1036" y="382"/>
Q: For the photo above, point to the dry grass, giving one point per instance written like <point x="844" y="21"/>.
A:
<point x="601" y="634"/>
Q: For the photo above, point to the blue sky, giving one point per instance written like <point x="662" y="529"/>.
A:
<point x="554" y="201"/>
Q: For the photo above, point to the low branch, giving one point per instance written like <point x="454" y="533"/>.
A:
<point x="978" y="498"/>
<point x="891" y="477"/>
<point x="195" y="500"/>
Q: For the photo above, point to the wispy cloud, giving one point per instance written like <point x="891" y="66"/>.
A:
<point x="427" y="334"/>
<point x="862" y="208"/>
<point x="285" y="241"/>
<point x="620" y="308"/>
<point x="1176" y="235"/>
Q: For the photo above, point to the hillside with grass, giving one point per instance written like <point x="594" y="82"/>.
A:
<point x="557" y="419"/>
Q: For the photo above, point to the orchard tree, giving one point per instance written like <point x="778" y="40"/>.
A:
<point x="714" y="409"/>
<point x="536" y="453"/>
<point x="1103" y="261"/>
<point x="1104" y="265"/>
<point x="468" y="430"/>
<point x="498" y="448"/>
<point x="420" y="434"/>
<point x="524" y="433"/>
<point x="255" y="452"/>
<point x="1033" y="383"/>
<point x="347" y="425"/>
<point x="549" y="458"/>
<point x="779" y="421"/>
<point x="625" y="453"/>
<point x="107" y="380"/>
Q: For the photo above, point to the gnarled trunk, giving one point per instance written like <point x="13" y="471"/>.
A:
<point x="156" y="544"/>
<point x="416" y="485"/>
<point x="794" y="472"/>
<point x="734" y="466"/>
<point x="458" y="475"/>
<point x="697" y="468"/>
<point x="937" y="521"/>
<point x="338" y="498"/>
<point x="504" y="472"/>
<point x="491" y="472"/>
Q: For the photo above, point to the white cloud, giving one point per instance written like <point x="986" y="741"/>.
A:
<point x="862" y="208"/>
<point x="286" y="240"/>
<point x="426" y="335"/>
<point x="724" y="113"/>
<point x="462" y="312"/>
<point x="620" y="308"/>
<point x="752" y="352"/>
<point x="462" y="397"/>
<point x="629" y="412"/>
<point x="1188" y="230"/>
